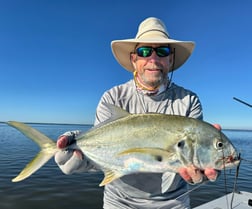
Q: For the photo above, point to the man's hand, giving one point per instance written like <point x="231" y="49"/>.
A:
<point x="70" y="160"/>
<point x="193" y="175"/>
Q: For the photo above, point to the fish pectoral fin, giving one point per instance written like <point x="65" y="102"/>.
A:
<point x="40" y="159"/>
<point x="109" y="177"/>
<point x="158" y="153"/>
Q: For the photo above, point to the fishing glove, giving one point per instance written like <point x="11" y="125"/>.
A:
<point x="68" y="159"/>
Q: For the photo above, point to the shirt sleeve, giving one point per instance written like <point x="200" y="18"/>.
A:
<point x="102" y="112"/>
<point x="195" y="110"/>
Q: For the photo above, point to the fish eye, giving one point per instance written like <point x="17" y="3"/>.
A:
<point x="159" y="158"/>
<point x="181" y="144"/>
<point x="219" y="145"/>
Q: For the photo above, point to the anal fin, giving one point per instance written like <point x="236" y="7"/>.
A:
<point x="109" y="176"/>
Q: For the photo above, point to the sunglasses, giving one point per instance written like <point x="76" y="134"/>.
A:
<point x="146" y="51"/>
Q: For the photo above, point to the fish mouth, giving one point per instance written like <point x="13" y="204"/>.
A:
<point x="230" y="161"/>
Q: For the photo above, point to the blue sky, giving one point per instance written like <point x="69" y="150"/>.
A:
<point x="56" y="60"/>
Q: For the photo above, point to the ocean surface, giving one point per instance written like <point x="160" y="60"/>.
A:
<point x="49" y="188"/>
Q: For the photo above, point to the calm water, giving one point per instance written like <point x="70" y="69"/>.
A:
<point x="48" y="188"/>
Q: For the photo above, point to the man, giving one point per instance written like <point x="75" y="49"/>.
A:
<point x="150" y="57"/>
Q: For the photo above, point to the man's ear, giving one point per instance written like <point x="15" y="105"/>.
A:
<point x="133" y="60"/>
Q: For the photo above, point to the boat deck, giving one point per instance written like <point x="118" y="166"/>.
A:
<point x="241" y="200"/>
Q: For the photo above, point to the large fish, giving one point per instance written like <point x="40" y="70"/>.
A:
<point x="131" y="143"/>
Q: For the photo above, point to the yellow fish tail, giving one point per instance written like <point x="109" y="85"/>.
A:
<point x="48" y="149"/>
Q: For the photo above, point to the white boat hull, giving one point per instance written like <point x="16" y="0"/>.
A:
<point x="241" y="200"/>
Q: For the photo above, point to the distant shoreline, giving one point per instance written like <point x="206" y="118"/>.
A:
<point x="37" y="123"/>
<point x="79" y="124"/>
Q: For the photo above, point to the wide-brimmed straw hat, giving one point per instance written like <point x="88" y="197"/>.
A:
<point x="151" y="31"/>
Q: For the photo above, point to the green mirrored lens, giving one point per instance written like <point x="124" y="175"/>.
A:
<point x="162" y="51"/>
<point x="145" y="51"/>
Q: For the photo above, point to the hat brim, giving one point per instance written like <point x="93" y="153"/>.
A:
<point x="122" y="48"/>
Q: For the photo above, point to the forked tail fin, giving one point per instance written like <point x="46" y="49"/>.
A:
<point x="48" y="149"/>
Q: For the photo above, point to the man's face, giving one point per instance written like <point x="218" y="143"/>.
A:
<point x="152" y="69"/>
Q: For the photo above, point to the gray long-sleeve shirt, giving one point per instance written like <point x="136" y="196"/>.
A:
<point x="148" y="190"/>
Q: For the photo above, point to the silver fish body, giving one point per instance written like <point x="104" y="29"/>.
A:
<point x="149" y="142"/>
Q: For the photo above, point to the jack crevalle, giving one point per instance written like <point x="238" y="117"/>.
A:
<point x="131" y="143"/>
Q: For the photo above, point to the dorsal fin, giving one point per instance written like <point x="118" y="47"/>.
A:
<point x="116" y="113"/>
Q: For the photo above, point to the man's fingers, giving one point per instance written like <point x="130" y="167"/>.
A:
<point x="69" y="161"/>
<point x="191" y="174"/>
<point x="62" y="142"/>
<point x="211" y="174"/>
<point x="184" y="174"/>
<point x="196" y="174"/>
<point x="217" y="126"/>
<point x="62" y="157"/>
<point x="78" y="154"/>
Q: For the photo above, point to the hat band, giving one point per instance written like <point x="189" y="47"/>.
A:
<point x="153" y="30"/>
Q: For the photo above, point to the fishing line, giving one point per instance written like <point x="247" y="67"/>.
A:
<point x="236" y="177"/>
<point x="191" y="190"/>
<point x="235" y="190"/>
<point x="235" y="181"/>
<point x="225" y="177"/>
<point x="249" y="161"/>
